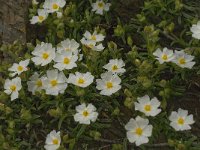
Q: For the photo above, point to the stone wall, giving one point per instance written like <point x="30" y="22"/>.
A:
<point x="13" y="20"/>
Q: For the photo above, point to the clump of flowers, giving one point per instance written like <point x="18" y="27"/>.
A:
<point x="87" y="75"/>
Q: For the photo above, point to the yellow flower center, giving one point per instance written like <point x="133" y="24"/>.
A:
<point x="55" y="141"/>
<point x="182" y="61"/>
<point x="66" y="60"/>
<point x="114" y="68"/>
<point x="45" y="56"/>
<point x="100" y="5"/>
<point x="13" y="87"/>
<point x="39" y="83"/>
<point x="164" y="57"/>
<point x="93" y="37"/>
<point x="147" y="108"/>
<point x="139" y="131"/>
<point x="20" y="68"/>
<point x="181" y="121"/>
<point x="54" y="82"/>
<point x="41" y="18"/>
<point x="81" y="81"/>
<point x="85" y="113"/>
<point x="55" y="6"/>
<point x="109" y="85"/>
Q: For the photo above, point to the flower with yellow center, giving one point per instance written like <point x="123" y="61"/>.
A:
<point x="99" y="7"/>
<point x="180" y="120"/>
<point x="35" y="83"/>
<point x="68" y="45"/>
<point x="81" y="79"/>
<point x="19" y="68"/>
<point x="39" y="83"/>
<point x="41" y="18"/>
<point x="183" y="60"/>
<point x="53" y="141"/>
<point x="55" y="83"/>
<point x="12" y="87"/>
<point x="53" y="5"/>
<point x="150" y="107"/>
<point x="138" y="130"/>
<point x="43" y="53"/>
<point x="147" y="107"/>
<point x="108" y="84"/>
<point x="115" y="66"/>
<point x="85" y="114"/>
<point x="165" y="55"/>
<point x="65" y="60"/>
<point x="42" y="15"/>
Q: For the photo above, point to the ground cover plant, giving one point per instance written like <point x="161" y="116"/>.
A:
<point x="93" y="79"/>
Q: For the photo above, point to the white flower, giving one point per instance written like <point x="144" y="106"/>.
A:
<point x="19" y="68"/>
<point x="138" y="130"/>
<point x="93" y="37"/>
<point x="164" y="56"/>
<point x="183" y="60"/>
<point x="148" y="106"/>
<point x="195" y="29"/>
<point x="36" y="83"/>
<point x="85" y="114"/>
<point x="35" y="2"/>
<point x="69" y="46"/>
<point x="92" y="40"/>
<point x="115" y="66"/>
<point x="99" y="6"/>
<point x="53" y="141"/>
<point x="108" y="84"/>
<point x="43" y="53"/>
<point x="181" y="120"/>
<point x="81" y="79"/>
<point x="92" y="45"/>
<point x="55" y="83"/>
<point x="12" y="87"/>
<point x="65" y="60"/>
<point x="53" y="5"/>
<point x="42" y="15"/>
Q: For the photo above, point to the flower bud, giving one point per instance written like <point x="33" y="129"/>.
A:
<point x="171" y="142"/>
<point x="129" y="102"/>
<point x="95" y="134"/>
<point x="116" y="111"/>
<point x="54" y="112"/>
<point x="119" y="31"/>
<point x="129" y="41"/>
<point x="25" y="114"/>
<point x="127" y="93"/>
<point x="112" y="45"/>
